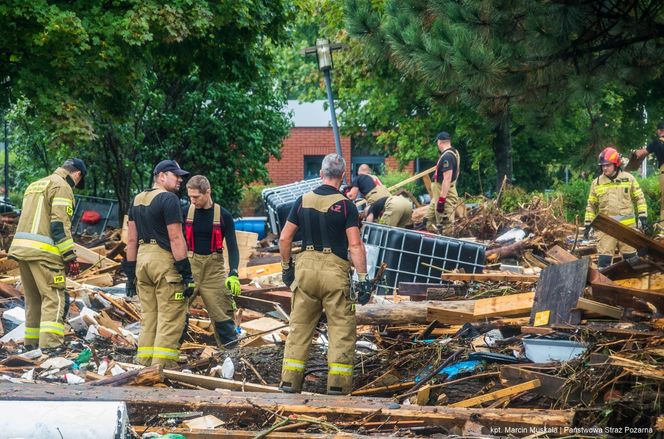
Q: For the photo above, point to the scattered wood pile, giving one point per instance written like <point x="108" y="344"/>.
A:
<point x="543" y="345"/>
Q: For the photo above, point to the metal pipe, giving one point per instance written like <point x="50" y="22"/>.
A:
<point x="333" y="114"/>
<point x="6" y="161"/>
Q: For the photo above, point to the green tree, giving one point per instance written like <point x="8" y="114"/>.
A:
<point x="105" y="81"/>
<point x="505" y="58"/>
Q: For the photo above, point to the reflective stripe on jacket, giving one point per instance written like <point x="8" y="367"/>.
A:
<point x="616" y="198"/>
<point x="48" y="205"/>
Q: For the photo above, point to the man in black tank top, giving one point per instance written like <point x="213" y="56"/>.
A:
<point x="444" y="197"/>
<point x="320" y="281"/>
<point x="157" y="266"/>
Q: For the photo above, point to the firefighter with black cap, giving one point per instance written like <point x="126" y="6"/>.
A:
<point x="320" y="279"/>
<point x="444" y="197"/>
<point x="614" y="193"/>
<point x="656" y="146"/>
<point x="157" y="266"/>
<point x="44" y="249"/>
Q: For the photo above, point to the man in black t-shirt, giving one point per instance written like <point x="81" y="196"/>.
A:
<point x="206" y="227"/>
<point x="319" y="279"/>
<point x="656" y="146"/>
<point x="157" y="266"/>
<point x="368" y="185"/>
<point x="444" y="197"/>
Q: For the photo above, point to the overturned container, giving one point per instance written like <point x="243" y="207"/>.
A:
<point x="279" y="200"/>
<point x="417" y="257"/>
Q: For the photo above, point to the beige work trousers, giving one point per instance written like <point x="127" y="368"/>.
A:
<point x="446" y="218"/>
<point x="397" y="212"/>
<point x="606" y="245"/>
<point x="210" y="278"/>
<point x="321" y="283"/>
<point x="163" y="306"/>
<point x="45" y="299"/>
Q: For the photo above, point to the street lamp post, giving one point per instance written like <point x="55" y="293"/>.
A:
<point x="6" y="162"/>
<point x="323" y="51"/>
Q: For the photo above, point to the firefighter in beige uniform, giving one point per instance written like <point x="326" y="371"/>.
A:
<point x="320" y="279"/>
<point x="444" y="197"/>
<point x="44" y="249"/>
<point x="157" y="266"/>
<point x="614" y="194"/>
<point x="207" y="226"/>
<point x="391" y="210"/>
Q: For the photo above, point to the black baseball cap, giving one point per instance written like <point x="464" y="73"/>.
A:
<point x="170" y="166"/>
<point x="80" y="165"/>
<point x="443" y="135"/>
<point x="660" y="125"/>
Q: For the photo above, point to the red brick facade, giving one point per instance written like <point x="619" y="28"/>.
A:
<point x="304" y="141"/>
<point x="307" y="141"/>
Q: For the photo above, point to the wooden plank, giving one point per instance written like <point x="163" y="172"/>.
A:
<point x="510" y="305"/>
<point x="7" y="264"/>
<point x="8" y="291"/>
<point x="206" y="433"/>
<point x="599" y="308"/>
<point x="90" y="257"/>
<point x="403" y="183"/>
<point x="493" y="277"/>
<point x="628" y="235"/>
<point x="100" y="250"/>
<point x="259" y="270"/>
<point x="509" y="391"/>
<point x="384" y="389"/>
<point x="561" y="255"/>
<point x="454" y="311"/>
<point x="144" y="402"/>
<point x="624" y="296"/>
<point x="264" y="324"/>
<point x="213" y="383"/>
<point x="558" y="292"/>
<point x="423" y="395"/>
<point x="255" y="304"/>
<point x="550" y="385"/>
<point x="100" y="280"/>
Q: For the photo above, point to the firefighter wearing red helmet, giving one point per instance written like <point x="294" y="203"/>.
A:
<point x="614" y="193"/>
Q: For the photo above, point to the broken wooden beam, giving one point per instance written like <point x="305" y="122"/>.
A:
<point x="401" y="313"/>
<point x="625" y="296"/>
<point x="550" y="386"/>
<point x="508" y="391"/>
<point x="561" y="255"/>
<point x="144" y="402"/>
<point x="212" y="383"/>
<point x="599" y="308"/>
<point x="628" y="235"/>
<point x="491" y="277"/>
<point x="504" y="306"/>
<point x="141" y="377"/>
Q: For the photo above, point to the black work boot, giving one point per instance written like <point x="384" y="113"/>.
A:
<point x="604" y="261"/>
<point x="225" y="333"/>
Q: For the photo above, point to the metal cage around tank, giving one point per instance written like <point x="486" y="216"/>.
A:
<point x="279" y="200"/>
<point x="418" y="257"/>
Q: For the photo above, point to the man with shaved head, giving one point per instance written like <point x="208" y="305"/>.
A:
<point x="390" y="210"/>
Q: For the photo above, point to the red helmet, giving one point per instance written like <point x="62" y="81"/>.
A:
<point x="609" y="155"/>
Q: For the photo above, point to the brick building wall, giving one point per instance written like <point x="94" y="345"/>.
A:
<point x="304" y="141"/>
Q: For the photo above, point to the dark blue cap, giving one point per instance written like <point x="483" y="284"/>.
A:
<point x="443" y="135"/>
<point x="80" y="165"/>
<point x="170" y="166"/>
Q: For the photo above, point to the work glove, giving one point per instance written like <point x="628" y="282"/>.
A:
<point x="440" y="205"/>
<point x="643" y="223"/>
<point x="129" y="269"/>
<point x="233" y="283"/>
<point x="288" y="272"/>
<point x="586" y="232"/>
<point x="364" y="288"/>
<point x="72" y="268"/>
<point x="184" y="268"/>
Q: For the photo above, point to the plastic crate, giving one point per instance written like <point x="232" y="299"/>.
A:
<point x="406" y="252"/>
<point x="279" y="200"/>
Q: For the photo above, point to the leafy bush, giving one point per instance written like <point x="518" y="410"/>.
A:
<point x="392" y="177"/>
<point x="513" y="197"/>
<point x="575" y="197"/>
<point x="251" y="203"/>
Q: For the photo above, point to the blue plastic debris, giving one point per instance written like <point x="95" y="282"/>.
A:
<point x="461" y="367"/>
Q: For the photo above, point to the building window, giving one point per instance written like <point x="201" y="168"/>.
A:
<point x="312" y="165"/>
<point x="375" y="162"/>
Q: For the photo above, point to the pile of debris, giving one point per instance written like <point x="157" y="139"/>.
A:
<point x="540" y="343"/>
